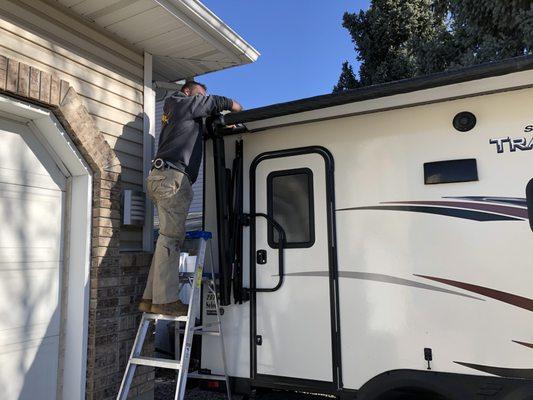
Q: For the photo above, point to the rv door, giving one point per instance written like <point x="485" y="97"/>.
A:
<point x="294" y="327"/>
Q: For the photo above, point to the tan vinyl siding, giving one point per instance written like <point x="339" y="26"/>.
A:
<point x="106" y="74"/>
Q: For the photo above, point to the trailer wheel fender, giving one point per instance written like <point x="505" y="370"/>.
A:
<point x="431" y="382"/>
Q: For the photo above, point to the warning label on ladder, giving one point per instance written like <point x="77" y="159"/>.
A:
<point x="210" y="304"/>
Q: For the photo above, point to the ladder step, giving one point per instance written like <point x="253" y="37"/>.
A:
<point x="204" y="333"/>
<point x="165" y="317"/>
<point x="184" y="276"/>
<point x="195" y="375"/>
<point x="156" y="362"/>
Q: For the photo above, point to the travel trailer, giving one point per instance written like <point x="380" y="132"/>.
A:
<point x="376" y="242"/>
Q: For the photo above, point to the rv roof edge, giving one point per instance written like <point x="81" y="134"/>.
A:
<point x="466" y="74"/>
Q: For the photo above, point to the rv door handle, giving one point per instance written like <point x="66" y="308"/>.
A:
<point x="282" y="240"/>
<point x="529" y="202"/>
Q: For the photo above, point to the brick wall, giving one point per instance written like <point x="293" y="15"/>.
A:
<point x="118" y="288"/>
<point x="133" y="273"/>
<point x="117" y="279"/>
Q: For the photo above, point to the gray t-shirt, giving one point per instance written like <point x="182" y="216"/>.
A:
<point x="180" y="141"/>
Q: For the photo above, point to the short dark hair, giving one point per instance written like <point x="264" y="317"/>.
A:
<point x="191" y="84"/>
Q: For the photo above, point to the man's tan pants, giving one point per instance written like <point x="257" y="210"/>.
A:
<point x="171" y="192"/>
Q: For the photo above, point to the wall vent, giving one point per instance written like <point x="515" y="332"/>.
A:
<point x="133" y="208"/>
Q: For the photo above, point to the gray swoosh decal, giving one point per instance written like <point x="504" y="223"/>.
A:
<point x="369" y="276"/>
<point x="522" y="373"/>
<point x="530" y="345"/>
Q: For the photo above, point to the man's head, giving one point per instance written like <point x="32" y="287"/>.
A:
<point x="192" y="88"/>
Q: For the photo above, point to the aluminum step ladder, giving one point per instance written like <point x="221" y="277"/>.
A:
<point x="194" y="280"/>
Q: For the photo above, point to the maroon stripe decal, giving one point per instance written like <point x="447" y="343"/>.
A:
<point x="495" y="208"/>
<point x="509" y="298"/>
<point x="530" y="345"/>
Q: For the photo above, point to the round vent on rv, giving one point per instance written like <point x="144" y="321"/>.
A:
<point x="464" y="121"/>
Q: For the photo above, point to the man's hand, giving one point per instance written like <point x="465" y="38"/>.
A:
<point x="236" y="107"/>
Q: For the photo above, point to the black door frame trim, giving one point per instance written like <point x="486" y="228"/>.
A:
<point x="290" y="383"/>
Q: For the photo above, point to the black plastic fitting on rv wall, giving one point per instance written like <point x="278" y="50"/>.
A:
<point x="464" y="121"/>
<point x="428" y="356"/>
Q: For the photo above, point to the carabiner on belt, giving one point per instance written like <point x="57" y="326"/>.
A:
<point x="158" y="163"/>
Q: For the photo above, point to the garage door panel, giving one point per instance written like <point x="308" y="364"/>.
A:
<point x="37" y="301"/>
<point x="16" y="339"/>
<point x="14" y="176"/>
<point x="24" y="161"/>
<point x="16" y="191"/>
<point x="32" y="200"/>
<point x="26" y="258"/>
<point x="27" y="367"/>
<point x="18" y="265"/>
<point x="32" y="224"/>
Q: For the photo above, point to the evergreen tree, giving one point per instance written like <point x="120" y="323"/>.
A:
<point x="486" y="30"/>
<point x="397" y="39"/>
<point x="347" y="80"/>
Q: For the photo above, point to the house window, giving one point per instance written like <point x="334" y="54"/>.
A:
<point x="290" y="203"/>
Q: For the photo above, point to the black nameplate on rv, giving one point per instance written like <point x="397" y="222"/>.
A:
<point x="449" y="171"/>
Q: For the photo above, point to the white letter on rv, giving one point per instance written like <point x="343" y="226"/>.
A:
<point x="518" y="143"/>
<point x="499" y="143"/>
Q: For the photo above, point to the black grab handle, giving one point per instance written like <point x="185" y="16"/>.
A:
<point x="529" y="199"/>
<point x="281" y="233"/>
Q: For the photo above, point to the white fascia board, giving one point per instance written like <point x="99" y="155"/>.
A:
<point x="211" y="28"/>
<point x="478" y="87"/>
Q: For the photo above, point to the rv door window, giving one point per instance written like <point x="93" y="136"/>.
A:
<point x="290" y="203"/>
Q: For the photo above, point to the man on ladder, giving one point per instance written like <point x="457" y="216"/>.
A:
<point x="169" y="185"/>
<point x="174" y="170"/>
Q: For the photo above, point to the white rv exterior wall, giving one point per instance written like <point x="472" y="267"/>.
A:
<point x="379" y="157"/>
<point x="105" y="73"/>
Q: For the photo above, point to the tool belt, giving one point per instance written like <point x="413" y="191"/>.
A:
<point x="159" y="163"/>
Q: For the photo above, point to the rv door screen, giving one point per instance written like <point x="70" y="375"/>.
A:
<point x="293" y="330"/>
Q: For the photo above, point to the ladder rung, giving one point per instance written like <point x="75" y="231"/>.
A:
<point x="165" y="317"/>
<point x="186" y="275"/>
<point x="204" y="333"/>
<point x="156" y="362"/>
<point x="194" y="375"/>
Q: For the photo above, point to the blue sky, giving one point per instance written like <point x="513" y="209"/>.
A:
<point x="302" y="45"/>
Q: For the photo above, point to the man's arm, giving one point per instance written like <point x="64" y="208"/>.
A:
<point x="236" y="107"/>
<point x="204" y="106"/>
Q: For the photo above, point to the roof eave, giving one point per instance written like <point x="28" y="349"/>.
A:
<point x="206" y="24"/>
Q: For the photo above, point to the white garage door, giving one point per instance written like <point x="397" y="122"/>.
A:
<point x="32" y="197"/>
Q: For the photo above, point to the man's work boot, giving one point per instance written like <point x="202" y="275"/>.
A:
<point x="176" y="309"/>
<point x="145" y="305"/>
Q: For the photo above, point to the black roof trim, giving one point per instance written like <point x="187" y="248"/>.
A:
<point x="471" y="73"/>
